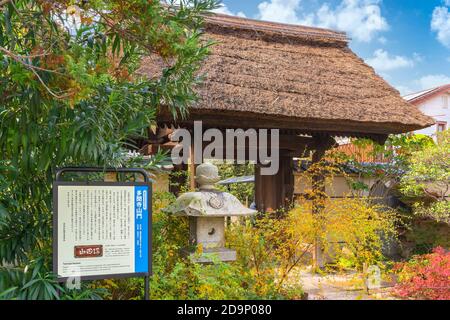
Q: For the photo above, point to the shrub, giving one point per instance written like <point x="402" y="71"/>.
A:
<point x="120" y="289"/>
<point x="423" y="235"/>
<point x="356" y="229"/>
<point x="425" y="276"/>
<point x="176" y="276"/>
<point x="179" y="277"/>
<point x="350" y="230"/>
<point x="427" y="180"/>
<point x="34" y="282"/>
<point x="269" y="250"/>
<point x="243" y="191"/>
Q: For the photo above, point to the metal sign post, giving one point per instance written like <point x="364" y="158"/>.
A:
<point x="102" y="229"/>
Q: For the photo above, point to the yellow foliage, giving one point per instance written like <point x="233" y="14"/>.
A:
<point x="350" y="228"/>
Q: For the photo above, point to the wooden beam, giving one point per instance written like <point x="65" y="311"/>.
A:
<point x="335" y="127"/>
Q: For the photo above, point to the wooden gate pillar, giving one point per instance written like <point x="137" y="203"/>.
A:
<point x="276" y="191"/>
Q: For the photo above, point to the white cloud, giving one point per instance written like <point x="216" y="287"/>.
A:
<point x="279" y="11"/>
<point x="224" y="10"/>
<point x="361" y="19"/>
<point x="426" y="82"/>
<point x="418" y="57"/>
<point x="433" y="80"/>
<point x="404" y="90"/>
<point x="383" y="40"/>
<point x="384" y="61"/>
<point x="440" y="23"/>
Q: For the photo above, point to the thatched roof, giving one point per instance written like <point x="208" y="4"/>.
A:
<point x="263" y="74"/>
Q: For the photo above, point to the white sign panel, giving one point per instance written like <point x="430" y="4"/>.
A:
<point x="101" y="230"/>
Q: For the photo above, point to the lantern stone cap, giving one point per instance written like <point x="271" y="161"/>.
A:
<point x="208" y="201"/>
<point x="208" y="204"/>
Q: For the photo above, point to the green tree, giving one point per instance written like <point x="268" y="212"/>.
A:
<point x="71" y="94"/>
<point x="428" y="179"/>
<point x="243" y="191"/>
<point x="394" y="154"/>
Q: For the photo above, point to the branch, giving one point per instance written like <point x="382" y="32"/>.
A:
<point x="430" y="194"/>
<point x="33" y="69"/>
<point x="47" y="88"/>
<point x="21" y="58"/>
<point x="289" y="269"/>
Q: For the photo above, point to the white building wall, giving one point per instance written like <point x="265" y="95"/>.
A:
<point x="437" y="109"/>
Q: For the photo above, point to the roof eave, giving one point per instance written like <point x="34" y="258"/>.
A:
<point x="429" y="95"/>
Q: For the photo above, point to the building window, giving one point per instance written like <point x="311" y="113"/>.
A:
<point x="441" y="126"/>
<point x="445" y="101"/>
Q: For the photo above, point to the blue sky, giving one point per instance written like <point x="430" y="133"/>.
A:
<point x="406" y="41"/>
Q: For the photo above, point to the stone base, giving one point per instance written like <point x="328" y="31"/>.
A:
<point x="221" y="254"/>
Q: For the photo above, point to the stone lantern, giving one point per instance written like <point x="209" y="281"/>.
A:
<point x="207" y="209"/>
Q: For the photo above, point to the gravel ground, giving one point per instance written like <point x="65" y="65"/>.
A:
<point x="342" y="286"/>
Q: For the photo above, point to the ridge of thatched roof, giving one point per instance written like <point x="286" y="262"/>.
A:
<point x="265" y="74"/>
<point x="284" y="29"/>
